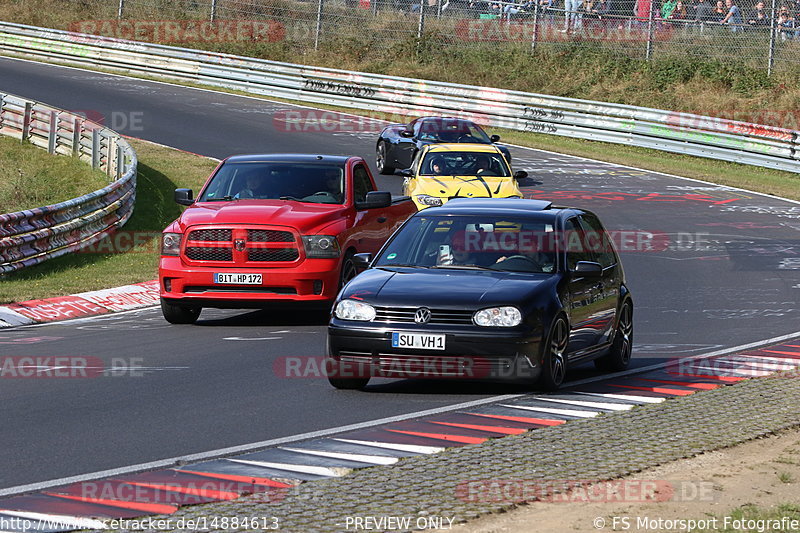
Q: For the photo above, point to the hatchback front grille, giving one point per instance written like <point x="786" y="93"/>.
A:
<point x="405" y="315"/>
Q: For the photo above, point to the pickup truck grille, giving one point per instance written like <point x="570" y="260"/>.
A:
<point x="269" y="235"/>
<point x="405" y="315"/>
<point x="210" y="235"/>
<point x="242" y="246"/>
<point x="198" y="253"/>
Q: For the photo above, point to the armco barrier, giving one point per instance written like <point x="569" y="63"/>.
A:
<point x="716" y="138"/>
<point x="34" y="235"/>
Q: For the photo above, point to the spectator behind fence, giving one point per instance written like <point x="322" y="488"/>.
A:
<point x="573" y="19"/>
<point x="787" y="25"/>
<point x="719" y="12"/>
<point x="679" y="13"/>
<point x="734" y="16"/>
<point x="703" y="12"/>
<point x="758" y="15"/>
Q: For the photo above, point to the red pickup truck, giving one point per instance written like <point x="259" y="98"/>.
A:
<point x="272" y="229"/>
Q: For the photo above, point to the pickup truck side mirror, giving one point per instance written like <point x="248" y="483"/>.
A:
<point x="375" y="200"/>
<point x="362" y="261"/>
<point x="184" y="196"/>
<point x="588" y="269"/>
<point x="406" y="172"/>
<point x="406" y="133"/>
<point x="520" y="175"/>
<point x="494" y="138"/>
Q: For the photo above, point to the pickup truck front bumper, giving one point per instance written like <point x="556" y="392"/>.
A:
<point x="313" y="281"/>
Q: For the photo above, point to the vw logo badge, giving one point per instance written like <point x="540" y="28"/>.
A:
<point x="422" y="315"/>
<point x="238" y="244"/>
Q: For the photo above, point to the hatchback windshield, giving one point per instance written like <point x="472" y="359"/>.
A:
<point x="473" y="242"/>
<point x="304" y="182"/>
<point x="464" y="164"/>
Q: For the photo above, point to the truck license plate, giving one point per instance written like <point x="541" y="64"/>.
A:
<point x="234" y="278"/>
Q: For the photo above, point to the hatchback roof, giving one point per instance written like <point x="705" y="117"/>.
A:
<point x="462" y="206"/>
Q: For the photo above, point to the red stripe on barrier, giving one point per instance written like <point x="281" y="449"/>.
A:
<point x="731" y="379"/>
<point x="659" y="390"/>
<point x="242" y="479"/>
<point x="441" y="436"/>
<point x="704" y="386"/>
<point x="154" y="508"/>
<point x="60" y="308"/>
<point x="525" y="419"/>
<point x="794" y="355"/>
<point x="205" y="493"/>
<point x="488" y="429"/>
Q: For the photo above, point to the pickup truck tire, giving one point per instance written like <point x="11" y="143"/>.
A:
<point x="380" y="159"/>
<point x="348" y="269"/>
<point x="179" y="314"/>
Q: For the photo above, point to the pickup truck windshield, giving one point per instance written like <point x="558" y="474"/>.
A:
<point x="475" y="242"/>
<point x="317" y="183"/>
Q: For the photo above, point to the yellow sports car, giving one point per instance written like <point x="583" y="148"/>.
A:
<point x="440" y="172"/>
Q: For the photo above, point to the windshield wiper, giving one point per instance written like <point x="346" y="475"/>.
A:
<point x="223" y="199"/>
<point x="391" y="265"/>
<point x="294" y="199"/>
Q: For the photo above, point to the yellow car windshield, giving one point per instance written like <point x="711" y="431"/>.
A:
<point x="464" y="164"/>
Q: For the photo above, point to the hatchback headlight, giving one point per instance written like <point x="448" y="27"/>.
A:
<point x="428" y="200"/>
<point x="353" y="310"/>
<point x="321" y="246"/>
<point x="505" y="317"/>
<point x="170" y="244"/>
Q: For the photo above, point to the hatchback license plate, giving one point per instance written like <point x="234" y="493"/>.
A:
<point x="237" y="279"/>
<point x="423" y="341"/>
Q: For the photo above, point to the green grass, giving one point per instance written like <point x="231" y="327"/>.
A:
<point x="761" y="517"/>
<point x="161" y="170"/>
<point x="30" y="177"/>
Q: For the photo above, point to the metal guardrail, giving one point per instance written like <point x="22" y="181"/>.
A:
<point x="31" y="236"/>
<point x="717" y="138"/>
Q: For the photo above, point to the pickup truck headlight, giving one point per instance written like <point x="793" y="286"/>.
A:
<point x="171" y="243"/>
<point x="321" y="246"/>
<point x="432" y="201"/>
<point x="505" y="317"/>
<point x="354" y="310"/>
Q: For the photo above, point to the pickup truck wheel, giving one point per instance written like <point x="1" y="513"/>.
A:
<point x="348" y="270"/>
<point x="380" y="160"/>
<point x="178" y="314"/>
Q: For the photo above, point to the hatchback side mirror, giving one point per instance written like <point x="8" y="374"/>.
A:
<point x="494" y="138"/>
<point x="362" y="261"/>
<point x="520" y="175"/>
<point x="406" y="133"/>
<point x="588" y="269"/>
<point x="406" y="172"/>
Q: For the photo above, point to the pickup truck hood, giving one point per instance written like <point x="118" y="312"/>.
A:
<point x="447" y="288"/>
<point x="302" y="216"/>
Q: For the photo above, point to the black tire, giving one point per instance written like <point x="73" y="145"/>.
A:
<point x="348" y="383"/>
<point x="355" y="380"/>
<point x="380" y="159"/>
<point x="619" y="356"/>
<point x="348" y="271"/>
<point x="179" y="314"/>
<point x="554" y="355"/>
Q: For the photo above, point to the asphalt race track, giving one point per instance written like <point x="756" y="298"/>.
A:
<point x="710" y="267"/>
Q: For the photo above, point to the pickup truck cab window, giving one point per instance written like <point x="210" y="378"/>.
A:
<point x="318" y="183"/>
<point x="361" y="183"/>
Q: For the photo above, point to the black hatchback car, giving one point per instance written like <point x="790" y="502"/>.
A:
<point x="484" y="288"/>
